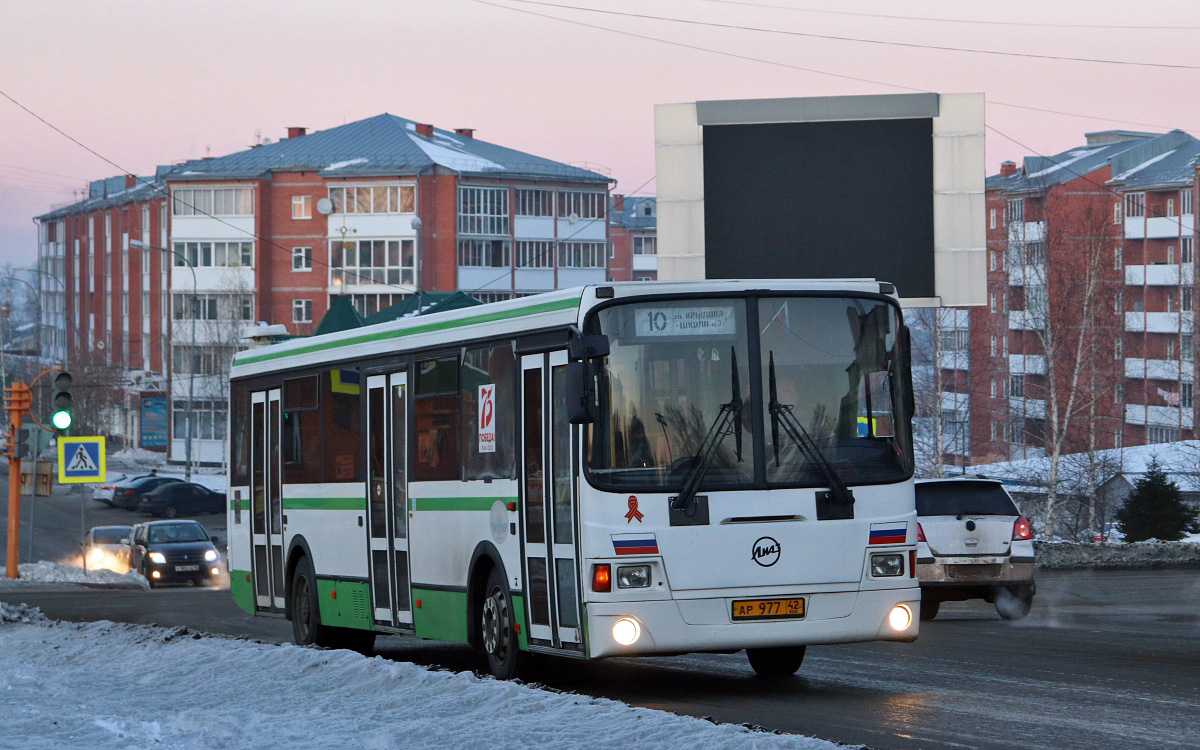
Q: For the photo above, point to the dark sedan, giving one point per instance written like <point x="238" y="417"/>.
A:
<point x="181" y="498"/>
<point x="174" y="552"/>
<point x="129" y="495"/>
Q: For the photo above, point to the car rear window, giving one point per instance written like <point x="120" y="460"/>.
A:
<point x="969" y="498"/>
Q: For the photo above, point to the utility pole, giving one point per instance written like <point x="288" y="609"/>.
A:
<point x="17" y="401"/>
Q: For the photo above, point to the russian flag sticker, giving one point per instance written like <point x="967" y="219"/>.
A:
<point x="635" y="544"/>
<point x="895" y="532"/>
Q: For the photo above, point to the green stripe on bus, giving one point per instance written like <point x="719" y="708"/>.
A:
<point x="490" y="317"/>
<point x="458" y="503"/>
<point x="324" y="503"/>
<point x="442" y="615"/>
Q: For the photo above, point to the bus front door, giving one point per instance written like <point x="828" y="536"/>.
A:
<point x="387" y="504"/>
<point x="549" y="468"/>
<point x="266" y="526"/>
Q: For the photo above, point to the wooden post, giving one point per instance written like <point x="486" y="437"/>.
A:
<point x="17" y="398"/>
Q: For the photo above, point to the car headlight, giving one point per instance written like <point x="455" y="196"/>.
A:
<point x="883" y="566"/>
<point x="157" y="557"/>
<point x="211" y="555"/>
<point x="633" y="576"/>
<point x="96" y="554"/>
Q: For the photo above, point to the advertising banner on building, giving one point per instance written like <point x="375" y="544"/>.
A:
<point x="154" y="422"/>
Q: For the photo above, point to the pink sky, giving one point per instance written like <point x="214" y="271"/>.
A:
<point x="147" y="83"/>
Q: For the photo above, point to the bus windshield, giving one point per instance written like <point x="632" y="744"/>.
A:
<point x="829" y="388"/>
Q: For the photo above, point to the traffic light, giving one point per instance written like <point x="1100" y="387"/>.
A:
<point x="61" y="402"/>
<point x="26" y="445"/>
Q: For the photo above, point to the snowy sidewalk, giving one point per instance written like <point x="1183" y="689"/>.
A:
<point x="108" y="685"/>
<point x="44" y="572"/>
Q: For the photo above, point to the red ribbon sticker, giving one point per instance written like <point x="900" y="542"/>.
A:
<point x="633" y="511"/>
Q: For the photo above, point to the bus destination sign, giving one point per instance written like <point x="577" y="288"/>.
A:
<point x="707" y="320"/>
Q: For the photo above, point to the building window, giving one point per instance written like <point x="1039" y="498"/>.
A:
<point x="1185" y="395"/>
<point x="1170" y="301"/>
<point x="201" y="360"/>
<point x="374" y="199"/>
<point x="1016" y="211"/>
<point x="1119" y="393"/>
<point x="993" y="347"/>
<point x="645" y="246"/>
<point x="1118" y="259"/>
<point x="1016" y="386"/>
<point x="302" y="311"/>
<point x="1035" y="253"/>
<point x="1161" y="434"/>
<point x="535" y="254"/>
<point x="1118" y="438"/>
<point x="483" y="210"/>
<point x="992" y="259"/>
<point x="1117" y="348"/>
<point x="369" y="304"/>
<point x="208" y="419"/>
<point x="489" y="297"/>
<point x="484" y="253"/>
<point x="581" y="205"/>
<point x="1135" y="205"/>
<point x="371" y="262"/>
<point x="215" y="254"/>
<point x="1185" y="300"/>
<point x="301" y="258"/>
<point x="1185" y="250"/>
<point x="532" y="202"/>
<point x="993" y="388"/>
<point x="200" y="307"/>
<point x="1185" y="347"/>
<point x="1187" y="197"/>
<point x="1170" y="349"/>
<point x="581" y="255"/>
<point x="213" y="201"/>
<point x="246" y="307"/>
<point x="1170" y="254"/>
<point x="1117" y="213"/>
<point x="301" y="206"/>
<point x="1118" y="303"/>
<point x="992" y="302"/>
<point x="1171" y="207"/>
<point x="992" y="219"/>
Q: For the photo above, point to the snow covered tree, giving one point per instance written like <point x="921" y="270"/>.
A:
<point x="1154" y="509"/>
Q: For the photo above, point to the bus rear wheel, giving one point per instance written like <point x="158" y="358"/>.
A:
<point x="307" y="628"/>
<point x="496" y="633"/>
<point x="782" y="661"/>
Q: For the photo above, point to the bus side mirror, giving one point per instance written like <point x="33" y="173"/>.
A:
<point x="580" y="396"/>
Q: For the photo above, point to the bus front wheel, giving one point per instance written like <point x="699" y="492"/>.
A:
<point x="496" y="632"/>
<point x="781" y="661"/>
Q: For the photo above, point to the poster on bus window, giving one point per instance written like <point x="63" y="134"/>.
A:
<point x="487" y="418"/>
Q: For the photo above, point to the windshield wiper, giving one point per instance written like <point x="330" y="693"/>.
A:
<point x="781" y="415"/>
<point x="716" y="433"/>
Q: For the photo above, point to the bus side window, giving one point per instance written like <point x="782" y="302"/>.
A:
<point x="489" y="412"/>
<point x="301" y="430"/>
<point x="341" y="391"/>
<point x="436" y="420"/>
<point x="240" y="434"/>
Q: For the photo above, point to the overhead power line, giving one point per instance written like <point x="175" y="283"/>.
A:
<point x="859" y="40"/>
<point x="804" y="69"/>
<point x="968" y="21"/>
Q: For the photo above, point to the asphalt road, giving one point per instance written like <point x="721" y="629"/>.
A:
<point x="1105" y="660"/>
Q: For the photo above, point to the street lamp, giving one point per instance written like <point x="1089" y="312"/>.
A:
<point x="187" y="440"/>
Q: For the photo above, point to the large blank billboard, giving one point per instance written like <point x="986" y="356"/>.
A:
<point x="886" y="187"/>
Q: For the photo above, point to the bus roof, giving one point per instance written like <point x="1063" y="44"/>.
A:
<point x="558" y="308"/>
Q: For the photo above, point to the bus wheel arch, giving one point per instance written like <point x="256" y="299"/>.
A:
<point x="484" y="560"/>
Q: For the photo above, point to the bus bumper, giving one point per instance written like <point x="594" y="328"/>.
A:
<point x="695" y="625"/>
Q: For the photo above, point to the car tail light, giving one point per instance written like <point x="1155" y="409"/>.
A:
<point x="601" y="578"/>
<point x="1021" y="529"/>
<point x="920" y="533"/>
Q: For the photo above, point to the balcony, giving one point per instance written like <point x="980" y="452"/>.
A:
<point x="1159" y="369"/>
<point x="645" y="262"/>
<point x="1160" y="274"/>
<point x="953" y="317"/>
<point x="1159" y="227"/>
<point x="1026" y="364"/>
<point x="1027" y="231"/>
<point x="1167" y="416"/>
<point x="1158" y="322"/>
<point x="1033" y="408"/>
<point x="1023" y="320"/>
<point x="953" y="360"/>
<point x="956" y="402"/>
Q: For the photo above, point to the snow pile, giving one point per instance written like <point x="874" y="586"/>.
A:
<point x="52" y="572"/>
<point x="138" y="456"/>
<point x="20" y="613"/>
<point x="1148" y="554"/>
<point x="197" y="691"/>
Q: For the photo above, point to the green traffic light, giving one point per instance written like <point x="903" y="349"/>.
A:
<point x="61" y="419"/>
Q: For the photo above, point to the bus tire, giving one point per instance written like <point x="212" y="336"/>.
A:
<point x="305" y="614"/>
<point x="497" y="637"/>
<point x="929" y="610"/>
<point x="781" y="661"/>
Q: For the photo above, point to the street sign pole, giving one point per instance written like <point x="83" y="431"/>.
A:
<point x="17" y="400"/>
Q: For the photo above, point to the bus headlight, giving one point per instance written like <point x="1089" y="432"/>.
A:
<point x="633" y="576"/>
<point x="883" y="566"/>
<point x="626" y="631"/>
<point x="900" y="617"/>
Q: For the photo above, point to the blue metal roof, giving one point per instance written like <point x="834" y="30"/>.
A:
<point x="632" y="217"/>
<point x="382" y="145"/>
<point x="110" y="192"/>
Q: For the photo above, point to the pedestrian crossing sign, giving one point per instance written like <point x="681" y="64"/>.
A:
<point x="81" y="460"/>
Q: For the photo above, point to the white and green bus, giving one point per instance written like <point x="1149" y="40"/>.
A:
<point x="615" y="470"/>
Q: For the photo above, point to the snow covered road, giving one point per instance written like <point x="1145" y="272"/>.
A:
<point x="110" y="685"/>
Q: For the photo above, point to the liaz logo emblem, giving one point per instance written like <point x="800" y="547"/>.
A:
<point x="765" y="552"/>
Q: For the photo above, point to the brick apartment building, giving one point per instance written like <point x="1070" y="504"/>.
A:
<point x="1090" y="289"/>
<point x="377" y="210"/>
<point x="633" y="234"/>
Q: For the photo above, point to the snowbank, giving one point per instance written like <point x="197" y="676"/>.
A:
<point x="1099" y="555"/>
<point x="138" y="456"/>
<point x="199" y="691"/>
<point x="52" y="572"/>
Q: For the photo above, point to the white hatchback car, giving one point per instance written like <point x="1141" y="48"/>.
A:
<point x="973" y="543"/>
